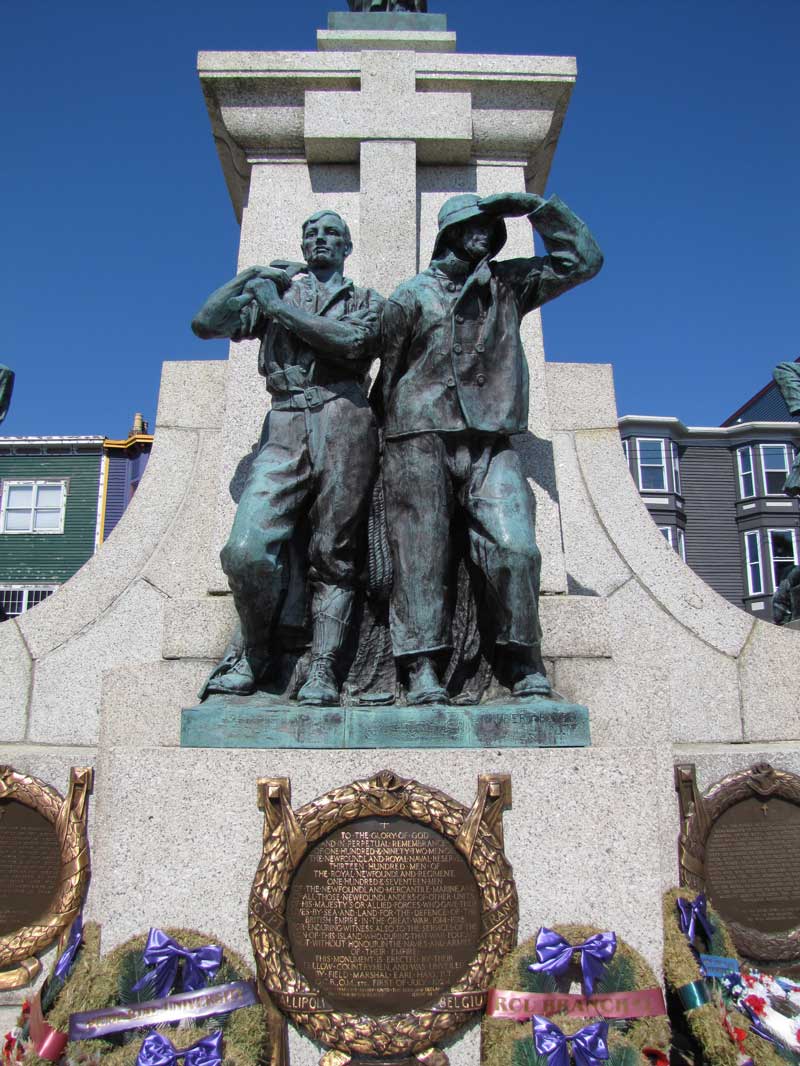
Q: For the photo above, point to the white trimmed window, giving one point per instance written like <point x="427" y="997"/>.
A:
<point x="681" y="543"/>
<point x="652" y="464"/>
<point x="775" y="461"/>
<point x="666" y="533"/>
<point x="747" y="483"/>
<point x="625" y="451"/>
<point x="782" y="553"/>
<point x="755" y="570"/>
<point x="33" y="507"/>
<point x="15" y="599"/>
<point x="676" y="469"/>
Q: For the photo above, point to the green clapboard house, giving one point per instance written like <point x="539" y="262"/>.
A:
<point x="60" y="498"/>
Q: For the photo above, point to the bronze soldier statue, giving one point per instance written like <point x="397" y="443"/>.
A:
<point x="388" y="5"/>
<point x="6" y="388"/>
<point x="455" y="390"/>
<point x="319" y="451"/>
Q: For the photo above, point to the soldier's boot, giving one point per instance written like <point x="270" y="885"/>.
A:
<point x="527" y="673"/>
<point x="241" y="679"/>
<point x="331" y="611"/>
<point x="424" y="685"/>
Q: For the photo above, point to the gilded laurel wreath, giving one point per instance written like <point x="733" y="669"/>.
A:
<point x="763" y="781"/>
<point x="68" y="816"/>
<point x="387" y="795"/>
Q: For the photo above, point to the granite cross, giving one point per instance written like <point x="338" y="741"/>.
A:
<point x="388" y="142"/>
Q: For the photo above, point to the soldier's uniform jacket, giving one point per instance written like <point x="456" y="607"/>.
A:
<point x="297" y="377"/>
<point x="452" y="355"/>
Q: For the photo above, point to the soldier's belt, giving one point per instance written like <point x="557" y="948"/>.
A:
<point x="314" y="397"/>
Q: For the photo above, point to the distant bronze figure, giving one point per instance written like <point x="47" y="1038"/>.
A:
<point x="786" y="599"/>
<point x="454" y="391"/>
<point x="388" y="5"/>
<point x="787" y="377"/>
<point x="6" y="388"/>
<point x="305" y="502"/>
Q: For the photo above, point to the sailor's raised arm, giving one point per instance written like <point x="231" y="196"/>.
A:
<point x="573" y="255"/>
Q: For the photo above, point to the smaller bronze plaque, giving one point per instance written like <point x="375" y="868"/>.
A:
<point x="31" y="866"/>
<point x="740" y="843"/>
<point x="753" y="864"/>
<point x="44" y="867"/>
<point x="383" y="916"/>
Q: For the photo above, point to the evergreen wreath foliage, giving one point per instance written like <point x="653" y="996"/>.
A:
<point x="682" y="967"/>
<point x="508" y="1042"/>
<point x="96" y="983"/>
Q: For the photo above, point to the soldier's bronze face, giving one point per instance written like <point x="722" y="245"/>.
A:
<point x="325" y="242"/>
<point x="472" y="240"/>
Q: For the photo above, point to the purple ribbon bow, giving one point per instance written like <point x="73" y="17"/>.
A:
<point x="157" y="1050"/>
<point x="589" y="1045"/>
<point x="200" y="965"/>
<point x="692" y="913"/>
<point x="555" y="953"/>
<point x="67" y="956"/>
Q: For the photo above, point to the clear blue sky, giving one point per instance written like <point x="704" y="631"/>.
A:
<point x="681" y="148"/>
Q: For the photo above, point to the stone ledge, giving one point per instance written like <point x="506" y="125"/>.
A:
<point x="198" y="629"/>
<point x="190" y="394"/>
<point x="575" y="627"/>
<point x="769" y="678"/>
<point x="398" y="40"/>
<point x="581" y="396"/>
<point x="253" y="722"/>
<point x="16" y="685"/>
<point x="687" y="598"/>
<point x="80" y="602"/>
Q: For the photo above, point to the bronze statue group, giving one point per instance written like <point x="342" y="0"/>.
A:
<point x="431" y="442"/>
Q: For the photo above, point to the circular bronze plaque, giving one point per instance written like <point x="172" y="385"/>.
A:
<point x="31" y="866"/>
<point x="753" y="864"/>
<point x="383" y="916"/>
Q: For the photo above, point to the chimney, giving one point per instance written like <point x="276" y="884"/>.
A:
<point x="139" y="425"/>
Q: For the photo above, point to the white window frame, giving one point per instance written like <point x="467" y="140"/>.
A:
<point x="751" y="473"/>
<point x="785" y="469"/>
<point x="26" y="590"/>
<point x="681" y="543"/>
<point x="753" y="537"/>
<point x="676" y="469"/>
<point x="793" y="534"/>
<point x="666" y="533"/>
<point x="660" y="442"/>
<point x="626" y="451"/>
<point x="35" y="484"/>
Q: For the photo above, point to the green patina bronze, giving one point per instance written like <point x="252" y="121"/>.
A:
<point x="301" y="517"/>
<point x="6" y="388"/>
<point x="415" y="560"/>
<point x="231" y="722"/>
<point x="786" y="598"/>
<point x="454" y="389"/>
<point x="388" y="5"/>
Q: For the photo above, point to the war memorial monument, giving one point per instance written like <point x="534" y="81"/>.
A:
<point x="382" y="552"/>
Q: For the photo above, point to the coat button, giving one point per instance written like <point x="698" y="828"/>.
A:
<point x="451" y="287"/>
<point x="480" y="347"/>
<point x="481" y="379"/>
<point x="459" y="318"/>
<point x="457" y="349"/>
<point x="451" y="383"/>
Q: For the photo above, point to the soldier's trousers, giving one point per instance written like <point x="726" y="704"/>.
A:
<point x="432" y="480"/>
<point x="316" y="464"/>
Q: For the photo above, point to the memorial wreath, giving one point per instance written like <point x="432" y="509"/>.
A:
<point x="725" y="1034"/>
<point x="128" y="1007"/>
<point x="619" y="1018"/>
